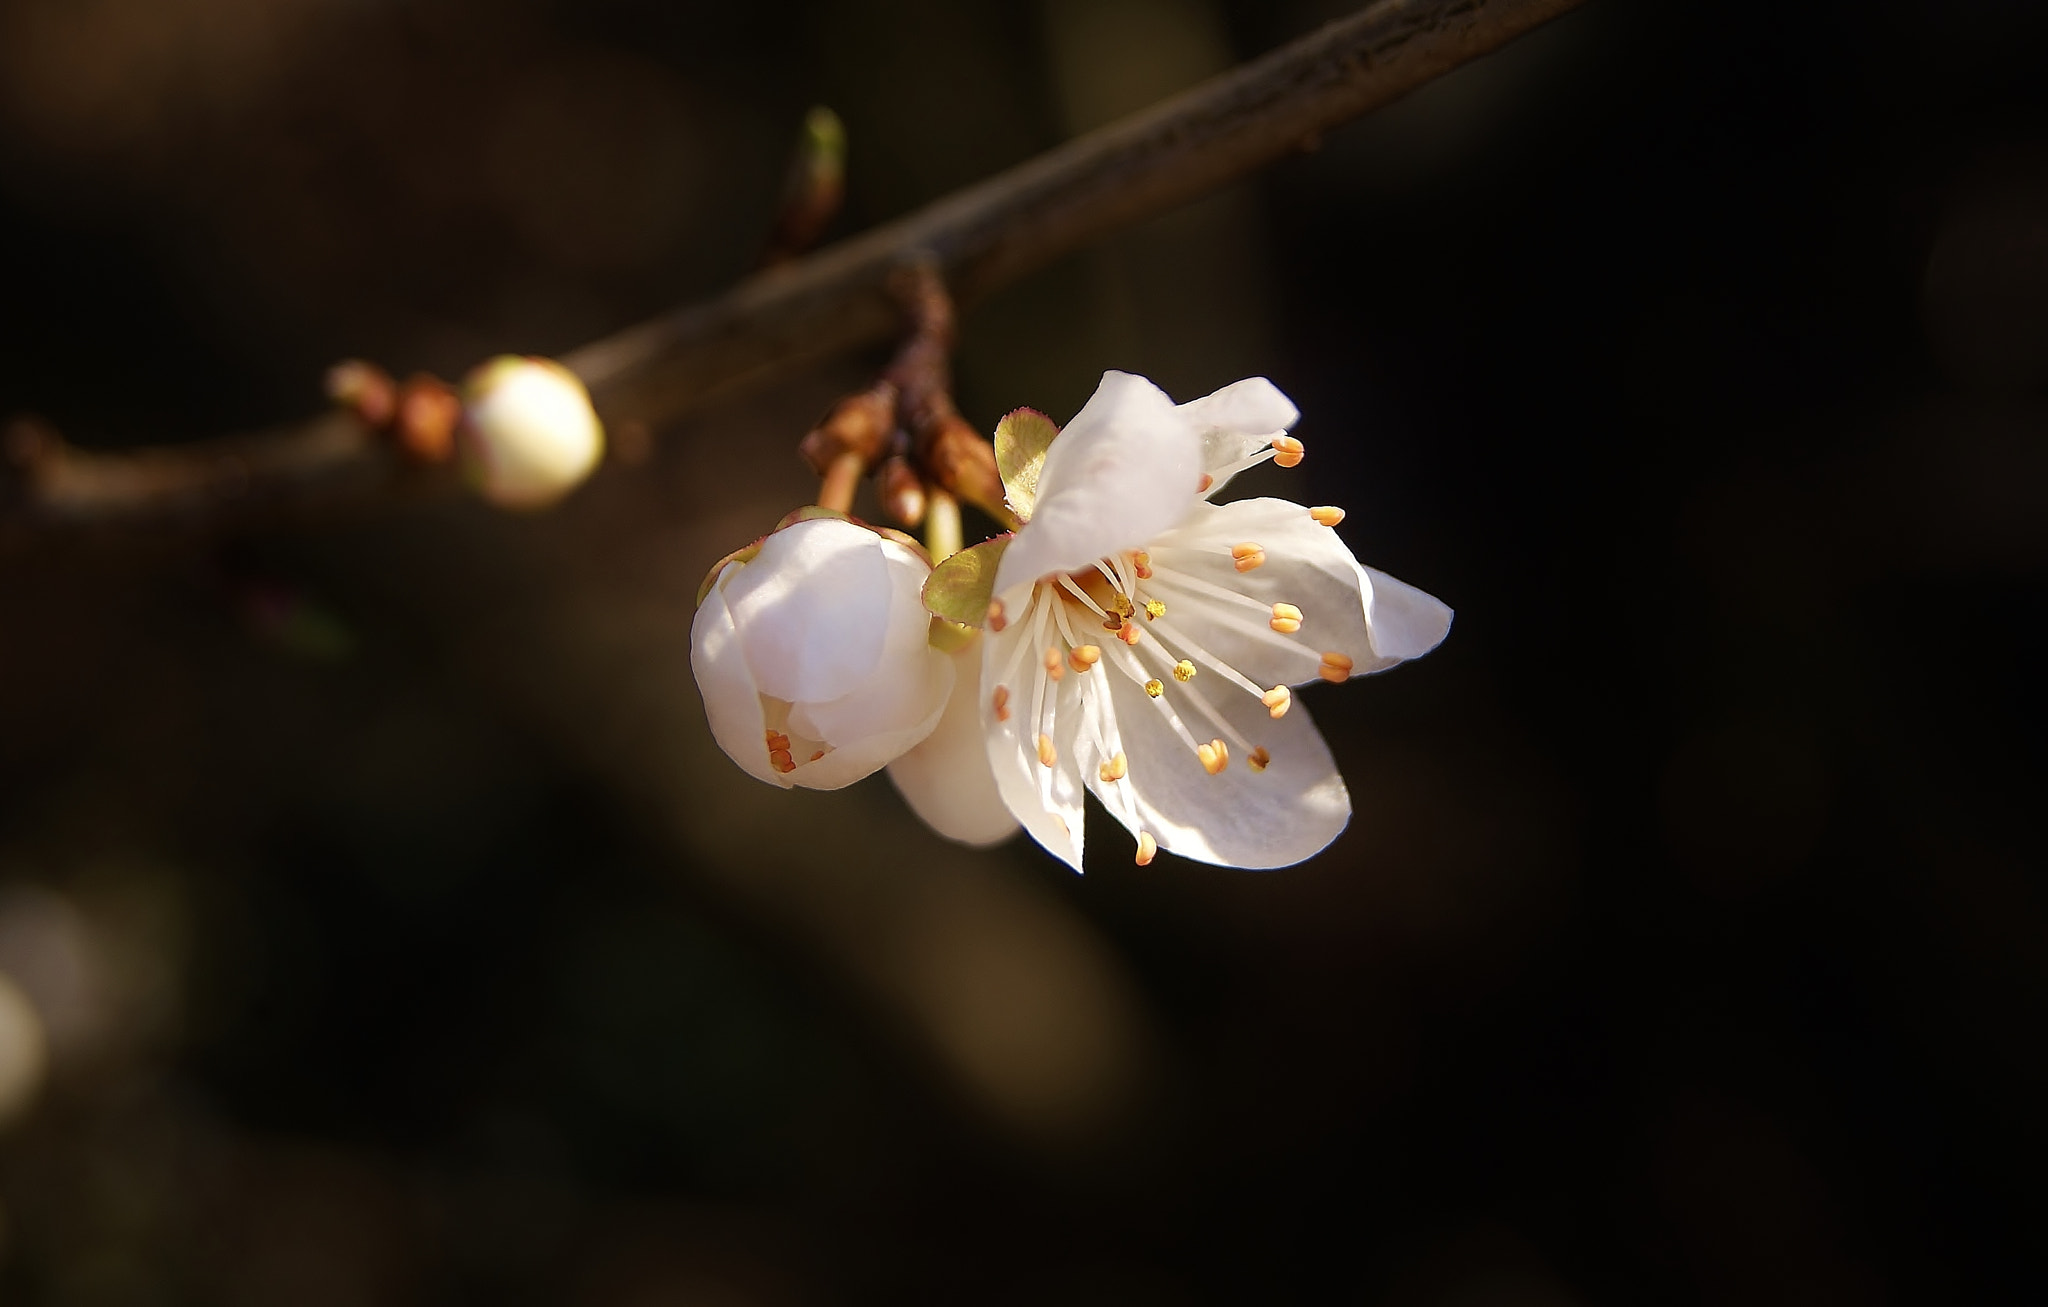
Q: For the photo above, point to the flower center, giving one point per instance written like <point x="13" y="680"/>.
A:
<point x="1130" y="616"/>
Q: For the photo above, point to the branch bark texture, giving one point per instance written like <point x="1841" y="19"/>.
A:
<point x="978" y="239"/>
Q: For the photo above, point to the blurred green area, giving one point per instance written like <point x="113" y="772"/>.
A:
<point x="379" y="924"/>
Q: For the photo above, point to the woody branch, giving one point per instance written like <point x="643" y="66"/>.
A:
<point x="977" y="240"/>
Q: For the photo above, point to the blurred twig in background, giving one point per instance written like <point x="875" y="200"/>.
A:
<point x="979" y="239"/>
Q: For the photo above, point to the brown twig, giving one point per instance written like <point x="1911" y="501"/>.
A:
<point x="977" y="239"/>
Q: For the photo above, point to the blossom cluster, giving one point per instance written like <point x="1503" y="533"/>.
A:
<point x="1132" y="639"/>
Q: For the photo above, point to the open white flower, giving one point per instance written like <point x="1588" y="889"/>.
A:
<point x="811" y="652"/>
<point x="1142" y="642"/>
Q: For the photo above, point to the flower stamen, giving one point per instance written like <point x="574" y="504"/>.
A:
<point x="1048" y="755"/>
<point x="1286" y="619"/>
<point x="1327" y="514"/>
<point x="1183" y="671"/>
<point x="1248" y="556"/>
<point x="1155" y="687"/>
<point x="1083" y="657"/>
<point x="1116" y="768"/>
<point x="1055" y="666"/>
<point x="1215" y="756"/>
<point x="1288" y="452"/>
<point x="1335" y="668"/>
<point x="1000" y="703"/>
<point x="1259" y="759"/>
<point x="1155" y="609"/>
<point x="1277" y="700"/>
<point x="1148" y="848"/>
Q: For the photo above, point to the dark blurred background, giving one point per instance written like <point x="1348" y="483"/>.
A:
<point x="379" y="924"/>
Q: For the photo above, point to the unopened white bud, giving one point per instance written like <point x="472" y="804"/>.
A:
<point x="529" y="435"/>
<point x="813" y="654"/>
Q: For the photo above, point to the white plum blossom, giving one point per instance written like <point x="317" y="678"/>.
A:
<point x="1142" y="643"/>
<point x="811" y="650"/>
<point x="528" y="435"/>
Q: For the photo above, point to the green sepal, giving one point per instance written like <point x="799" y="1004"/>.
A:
<point x="961" y="587"/>
<point x="949" y="637"/>
<point x="811" y="512"/>
<point x="1022" y="438"/>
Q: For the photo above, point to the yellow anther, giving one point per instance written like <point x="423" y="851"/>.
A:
<point x="996" y="620"/>
<point x="1141" y="563"/>
<point x="1148" y="848"/>
<point x="1277" y="700"/>
<point x="1288" y="452"/>
<point x="1155" y="609"/>
<point x="1001" y="702"/>
<point x="1215" y="756"/>
<point x="777" y="740"/>
<point x="819" y="754"/>
<point x="1248" y="556"/>
<point x="1207" y="481"/>
<point x="1259" y="759"/>
<point x="1123" y="605"/>
<point x="1116" y="768"/>
<point x="1155" y="687"/>
<point x="1335" y="668"/>
<point x="780" y="760"/>
<point x="1112" y="622"/>
<point x="1183" y="671"/>
<point x="1084" y="657"/>
<point x="1130" y="634"/>
<point x="1327" y="515"/>
<point x="1286" y="619"/>
<point x="1055" y="666"/>
<point x="1047" y="753"/>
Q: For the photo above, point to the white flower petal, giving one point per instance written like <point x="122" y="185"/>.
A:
<point x="1046" y="801"/>
<point x="1406" y="623"/>
<point x="909" y="680"/>
<point x="865" y="754"/>
<point x="946" y="780"/>
<point x="1238" y="818"/>
<point x="732" y="703"/>
<point x="1237" y="422"/>
<point x="826" y="643"/>
<point x="1308" y="566"/>
<point x="1124" y="470"/>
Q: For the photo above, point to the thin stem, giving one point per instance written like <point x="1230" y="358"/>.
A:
<point x="941" y="525"/>
<point x="842" y="478"/>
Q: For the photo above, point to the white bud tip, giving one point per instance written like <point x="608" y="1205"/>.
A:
<point x="529" y="435"/>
